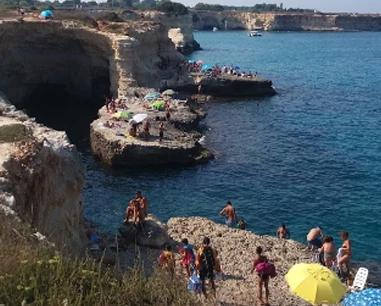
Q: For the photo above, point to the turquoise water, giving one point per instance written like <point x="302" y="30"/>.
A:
<point x="308" y="156"/>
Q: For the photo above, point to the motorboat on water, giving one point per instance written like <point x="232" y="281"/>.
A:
<point x="215" y="29"/>
<point x="254" y="33"/>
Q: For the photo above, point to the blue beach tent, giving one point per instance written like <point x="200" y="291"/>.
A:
<point x="46" y="14"/>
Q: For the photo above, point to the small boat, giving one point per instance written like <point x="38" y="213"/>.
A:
<point x="254" y="33"/>
<point x="215" y="29"/>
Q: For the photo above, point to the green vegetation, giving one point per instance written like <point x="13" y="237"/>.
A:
<point x="258" y="8"/>
<point x="34" y="272"/>
<point x="14" y="132"/>
<point x="209" y="7"/>
<point x="172" y="8"/>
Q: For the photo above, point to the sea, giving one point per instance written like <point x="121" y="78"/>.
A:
<point x="309" y="156"/>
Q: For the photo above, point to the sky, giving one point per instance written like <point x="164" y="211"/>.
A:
<point x="350" y="6"/>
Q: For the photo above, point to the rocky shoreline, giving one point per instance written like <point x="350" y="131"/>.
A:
<point x="236" y="248"/>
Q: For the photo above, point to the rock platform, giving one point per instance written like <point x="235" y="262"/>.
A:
<point x="114" y="146"/>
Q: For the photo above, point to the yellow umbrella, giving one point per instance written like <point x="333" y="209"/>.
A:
<point x="315" y="283"/>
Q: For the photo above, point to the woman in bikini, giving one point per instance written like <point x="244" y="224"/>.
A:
<point x="263" y="279"/>
<point x="347" y="249"/>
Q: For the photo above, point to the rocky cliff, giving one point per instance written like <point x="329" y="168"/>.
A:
<point x="233" y="20"/>
<point x="41" y="179"/>
<point x="82" y="62"/>
<point x="179" y="27"/>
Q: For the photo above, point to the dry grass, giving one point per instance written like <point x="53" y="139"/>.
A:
<point x="34" y="272"/>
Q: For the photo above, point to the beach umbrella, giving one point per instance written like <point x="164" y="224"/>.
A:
<point x="132" y="122"/>
<point x="315" y="283"/>
<point x="237" y="68"/>
<point x="169" y="92"/>
<point x="139" y="117"/>
<point x="152" y="96"/>
<point x="367" y="297"/>
<point x="158" y="104"/>
<point x="121" y="115"/>
<point x="206" y="67"/>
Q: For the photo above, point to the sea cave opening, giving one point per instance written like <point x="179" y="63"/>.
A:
<point x="63" y="109"/>
<point x="59" y="79"/>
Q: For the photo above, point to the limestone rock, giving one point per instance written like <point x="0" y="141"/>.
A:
<point x="235" y="20"/>
<point x="42" y="180"/>
<point x="153" y="234"/>
<point x="236" y="250"/>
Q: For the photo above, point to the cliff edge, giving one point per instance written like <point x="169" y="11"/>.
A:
<point x="41" y="177"/>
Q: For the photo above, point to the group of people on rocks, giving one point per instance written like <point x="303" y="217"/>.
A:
<point x="325" y="249"/>
<point x="137" y="209"/>
<point x="205" y="261"/>
<point x="197" y="66"/>
<point x="112" y="105"/>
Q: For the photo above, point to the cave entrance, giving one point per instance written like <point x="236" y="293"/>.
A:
<point x="59" y="107"/>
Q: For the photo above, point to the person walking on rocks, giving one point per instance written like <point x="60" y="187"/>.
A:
<point x="263" y="278"/>
<point x="205" y="261"/>
<point x="229" y="213"/>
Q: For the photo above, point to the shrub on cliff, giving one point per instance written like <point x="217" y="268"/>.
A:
<point x="34" y="272"/>
<point x="172" y="8"/>
<point x="209" y="7"/>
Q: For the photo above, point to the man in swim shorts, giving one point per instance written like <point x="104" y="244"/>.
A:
<point x="313" y="239"/>
<point x="229" y="213"/>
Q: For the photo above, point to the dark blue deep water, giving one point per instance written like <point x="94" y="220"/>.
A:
<point x="309" y="156"/>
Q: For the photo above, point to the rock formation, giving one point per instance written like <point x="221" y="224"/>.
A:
<point x="152" y="235"/>
<point x="233" y="20"/>
<point x="230" y="86"/>
<point x="179" y="27"/>
<point x="115" y="147"/>
<point x="41" y="179"/>
<point x="236" y="250"/>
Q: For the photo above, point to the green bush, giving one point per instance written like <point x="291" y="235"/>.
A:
<point x="208" y="7"/>
<point x="14" y="132"/>
<point x="172" y="8"/>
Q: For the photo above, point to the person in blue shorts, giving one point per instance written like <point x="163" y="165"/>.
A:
<point x="229" y="213"/>
<point x="313" y="238"/>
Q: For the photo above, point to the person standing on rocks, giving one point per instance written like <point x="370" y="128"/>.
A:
<point x="161" y="131"/>
<point x="205" y="261"/>
<point x="229" y="213"/>
<point x="313" y="238"/>
<point x="263" y="279"/>
<point x="143" y="202"/>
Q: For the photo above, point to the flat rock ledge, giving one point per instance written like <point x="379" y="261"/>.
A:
<point x="236" y="252"/>
<point x="229" y="86"/>
<point x="114" y="146"/>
